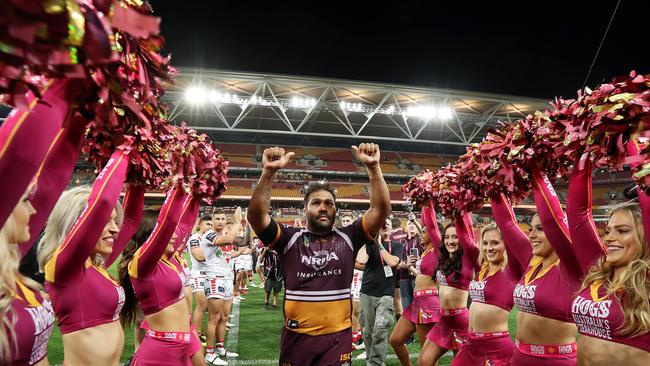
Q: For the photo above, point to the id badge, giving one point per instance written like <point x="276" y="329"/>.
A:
<point x="388" y="272"/>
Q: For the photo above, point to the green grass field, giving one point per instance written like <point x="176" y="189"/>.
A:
<point x="258" y="336"/>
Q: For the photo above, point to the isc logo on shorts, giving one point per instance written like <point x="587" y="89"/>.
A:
<point x="221" y="290"/>
<point x="346" y="357"/>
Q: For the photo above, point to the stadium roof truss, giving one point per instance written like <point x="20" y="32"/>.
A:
<point x="262" y="104"/>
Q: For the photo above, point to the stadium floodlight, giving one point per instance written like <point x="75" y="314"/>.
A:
<point x="425" y="112"/>
<point x="351" y="107"/>
<point x="445" y="113"/>
<point x="304" y="103"/>
<point x="196" y="95"/>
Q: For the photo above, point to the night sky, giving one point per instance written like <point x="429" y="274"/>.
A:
<point x="528" y="48"/>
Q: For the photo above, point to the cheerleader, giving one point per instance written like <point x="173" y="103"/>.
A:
<point x="454" y="273"/>
<point x="424" y="311"/>
<point x="74" y="252"/>
<point x="611" y="308"/>
<point x="26" y="312"/>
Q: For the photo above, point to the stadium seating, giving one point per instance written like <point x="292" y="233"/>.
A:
<point x="333" y="159"/>
<point x="398" y="166"/>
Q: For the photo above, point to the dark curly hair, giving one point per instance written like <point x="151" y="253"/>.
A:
<point x="312" y="187"/>
<point x="130" y="309"/>
<point x="446" y="264"/>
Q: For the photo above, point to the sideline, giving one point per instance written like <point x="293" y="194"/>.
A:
<point x="233" y="335"/>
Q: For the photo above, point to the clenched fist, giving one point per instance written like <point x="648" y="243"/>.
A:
<point x="275" y="158"/>
<point x="367" y="153"/>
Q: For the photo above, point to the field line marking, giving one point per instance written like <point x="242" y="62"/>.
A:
<point x="233" y="333"/>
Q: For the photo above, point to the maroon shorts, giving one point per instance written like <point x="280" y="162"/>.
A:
<point x="540" y="355"/>
<point x="166" y="349"/>
<point x="452" y="326"/>
<point x="329" y="349"/>
<point x="425" y="308"/>
<point x="494" y="349"/>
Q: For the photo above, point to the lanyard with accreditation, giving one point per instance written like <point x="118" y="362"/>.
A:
<point x="388" y="272"/>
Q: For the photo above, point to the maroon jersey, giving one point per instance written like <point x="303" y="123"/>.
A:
<point x="33" y="322"/>
<point x="317" y="274"/>
<point x="493" y="288"/>
<point x="398" y="235"/>
<point x="497" y="288"/>
<point x="84" y="295"/>
<point x="157" y="281"/>
<point x="600" y="315"/>
<point x="596" y="312"/>
<point x="549" y="292"/>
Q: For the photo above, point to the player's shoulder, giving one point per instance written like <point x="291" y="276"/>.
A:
<point x="348" y="231"/>
<point x="194" y="240"/>
<point x="289" y="231"/>
<point x="210" y="235"/>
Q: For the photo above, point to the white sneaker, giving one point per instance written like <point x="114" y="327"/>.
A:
<point x="236" y="300"/>
<point x="241" y="298"/>
<point x="228" y="324"/>
<point x="222" y="352"/>
<point x="362" y="356"/>
<point x="213" y="359"/>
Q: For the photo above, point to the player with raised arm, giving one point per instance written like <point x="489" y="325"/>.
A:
<point x="317" y="260"/>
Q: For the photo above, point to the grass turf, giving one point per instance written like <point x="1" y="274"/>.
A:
<point x="259" y="334"/>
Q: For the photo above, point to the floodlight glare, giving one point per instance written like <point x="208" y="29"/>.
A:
<point x="215" y="96"/>
<point x="425" y="112"/>
<point x="196" y="95"/>
<point x="445" y="113"/>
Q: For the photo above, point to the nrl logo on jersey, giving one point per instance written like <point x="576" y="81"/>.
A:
<point x="319" y="260"/>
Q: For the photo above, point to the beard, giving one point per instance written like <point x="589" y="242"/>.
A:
<point x="317" y="226"/>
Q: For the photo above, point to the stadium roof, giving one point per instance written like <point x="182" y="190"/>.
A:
<point x="266" y="108"/>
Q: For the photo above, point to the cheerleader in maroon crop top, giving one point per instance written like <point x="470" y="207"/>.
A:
<point x="28" y="313"/>
<point x="75" y="255"/>
<point x="611" y="307"/>
<point x="488" y="341"/>
<point x="456" y="265"/>
<point x="158" y="279"/>
<point x="34" y="313"/>
<point x="424" y="312"/>
<point x="545" y="333"/>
